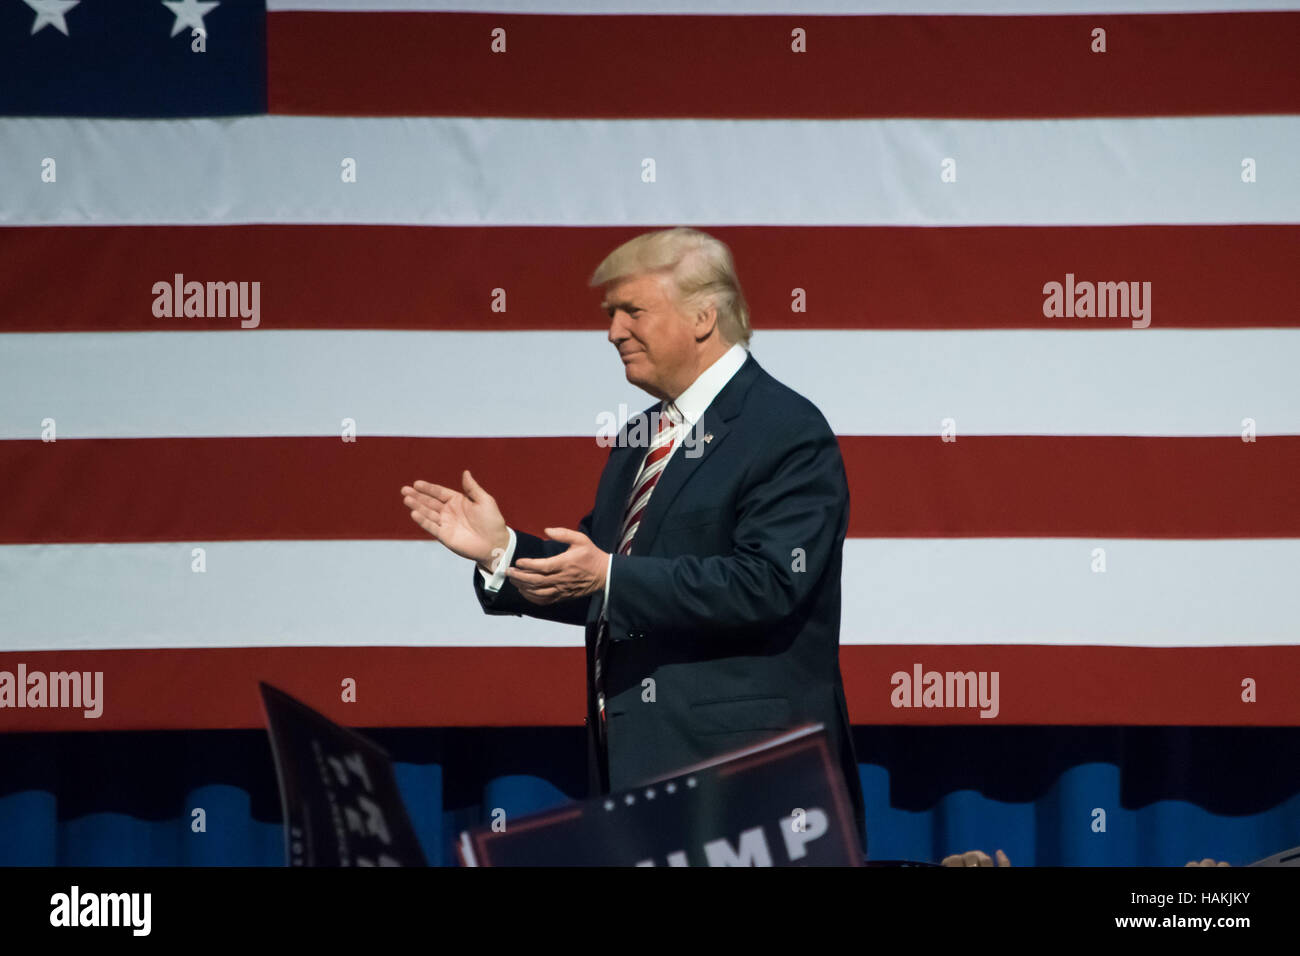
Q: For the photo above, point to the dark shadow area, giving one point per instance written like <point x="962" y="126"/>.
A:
<point x="1225" y="770"/>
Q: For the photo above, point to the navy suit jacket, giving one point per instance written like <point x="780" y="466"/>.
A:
<point x="730" y="599"/>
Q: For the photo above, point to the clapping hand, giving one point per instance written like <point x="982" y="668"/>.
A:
<point x="468" y="523"/>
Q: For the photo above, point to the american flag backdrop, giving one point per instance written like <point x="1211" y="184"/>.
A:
<point x="1038" y="264"/>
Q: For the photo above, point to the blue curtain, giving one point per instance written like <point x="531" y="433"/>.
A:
<point x="1046" y="795"/>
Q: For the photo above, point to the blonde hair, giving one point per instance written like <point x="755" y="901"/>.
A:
<point x="700" y="268"/>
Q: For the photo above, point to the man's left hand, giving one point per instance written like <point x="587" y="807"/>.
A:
<point x="576" y="572"/>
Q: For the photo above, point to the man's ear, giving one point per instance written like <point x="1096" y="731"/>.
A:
<point x="706" y="320"/>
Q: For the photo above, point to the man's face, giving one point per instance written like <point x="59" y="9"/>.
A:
<point x="654" y="340"/>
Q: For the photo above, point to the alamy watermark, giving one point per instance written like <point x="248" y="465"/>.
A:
<point x="75" y="689"/>
<point x="642" y="429"/>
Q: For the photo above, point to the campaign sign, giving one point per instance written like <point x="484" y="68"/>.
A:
<point x="340" y="798"/>
<point x="780" y="803"/>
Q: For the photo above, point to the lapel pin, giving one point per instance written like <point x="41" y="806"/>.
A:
<point x="708" y="437"/>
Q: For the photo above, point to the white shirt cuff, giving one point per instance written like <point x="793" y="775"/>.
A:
<point x="609" y="566"/>
<point x="492" y="582"/>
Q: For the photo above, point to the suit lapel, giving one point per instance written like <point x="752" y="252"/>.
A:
<point x="625" y="464"/>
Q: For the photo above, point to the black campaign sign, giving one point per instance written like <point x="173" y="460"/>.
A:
<point x="340" y="798"/>
<point x="781" y="803"/>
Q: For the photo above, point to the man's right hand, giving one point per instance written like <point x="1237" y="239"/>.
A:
<point x="468" y="523"/>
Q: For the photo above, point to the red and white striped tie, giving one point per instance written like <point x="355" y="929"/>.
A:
<point x="656" y="460"/>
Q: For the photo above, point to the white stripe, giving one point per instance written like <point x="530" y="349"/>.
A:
<point x="640" y="497"/>
<point x="466" y="171"/>
<point x="627" y="536"/>
<point x="805" y="7"/>
<point x="935" y="590"/>
<point x="263" y="383"/>
<point x="253" y="594"/>
<point x="1044" y="591"/>
<point x="632" y="509"/>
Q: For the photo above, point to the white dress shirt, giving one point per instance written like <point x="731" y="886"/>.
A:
<point x="691" y="403"/>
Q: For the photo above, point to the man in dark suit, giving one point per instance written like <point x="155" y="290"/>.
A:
<point x="707" y="574"/>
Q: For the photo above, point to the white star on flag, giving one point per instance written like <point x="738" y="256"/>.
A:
<point x="189" y="13"/>
<point x="49" y="13"/>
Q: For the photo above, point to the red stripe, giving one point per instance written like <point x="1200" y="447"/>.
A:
<point x="411" y="277"/>
<point x="424" y="686"/>
<point x="145" y="489"/>
<point x="982" y="67"/>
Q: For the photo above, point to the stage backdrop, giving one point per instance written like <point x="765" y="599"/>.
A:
<point x="260" y="269"/>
